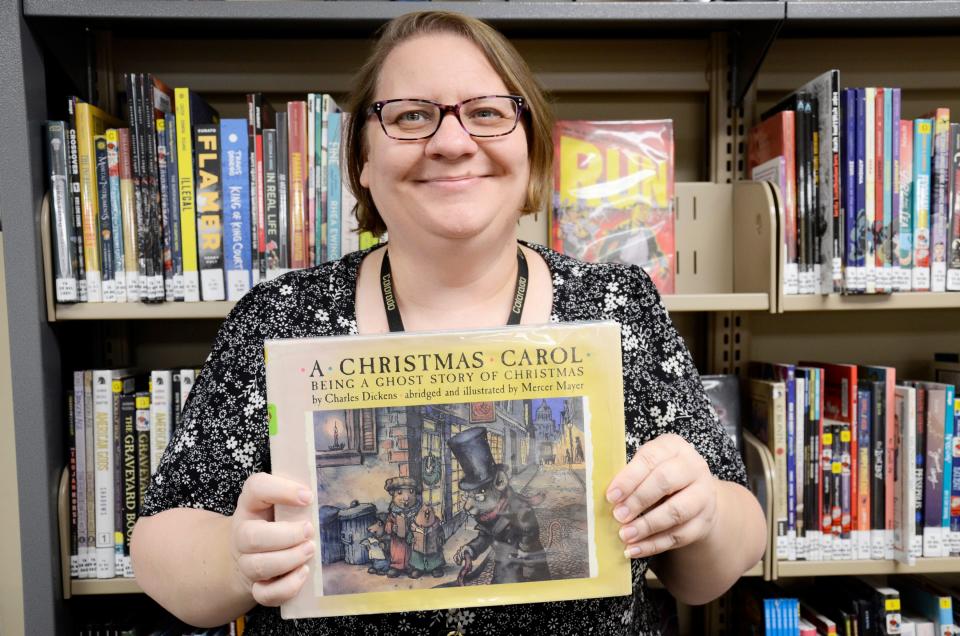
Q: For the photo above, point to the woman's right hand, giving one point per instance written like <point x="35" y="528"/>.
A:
<point x="271" y="556"/>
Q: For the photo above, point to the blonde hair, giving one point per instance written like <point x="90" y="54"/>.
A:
<point x="506" y="62"/>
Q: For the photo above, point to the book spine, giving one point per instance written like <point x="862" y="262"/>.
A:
<point x="237" y="235"/>
<point x="81" y="467"/>
<point x="948" y="444"/>
<point x="350" y="236"/>
<point x="800" y="442"/>
<point x="143" y="445"/>
<point x="870" y="159"/>
<point x="161" y="415"/>
<point x="850" y="188"/>
<point x="327" y="107"/>
<point x="778" y="405"/>
<point x="139" y="163"/>
<point x="173" y="203"/>
<point x="955" y="483"/>
<point x="933" y="484"/>
<point x="103" y="439"/>
<point x="848" y="490"/>
<point x="209" y="212"/>
<point x="922" y="151"/>
<point x="311" y="160"/>
<point x="75" y="198"/>
<point x="283" y="191"/>
<point x="331" y="189"/>
<point x="175" y="402"/>
<point x="163" y="144"/>
<point x="128" y="206"/>
<point x="61" y="215"/>
<point x="892" y="137"/>
<point x="905" y="233"/>
<point x="953" y="234"/>
<point x="939" y="210"/>
<point x="916" y="548"/>
<point x="861" y="195"/>
<point x="104" y="220"/>
<point x="260" y="266"/>
<point x="91" y="464"/>
<point x="905" y="444"/>
<point x="831" y="188"/>
<point x="878" y="490"/>
<point x="888" y="190"/>
<point x="154" y="108"/>
<point x="188" y="378"/>
<point x="128" y="416"/>
<point x="117" y="424"/>
<point x="86" y="152"/>
<point x="116" y="214"/>
<point x="185" y="172"/>
<point x="818" y="212"/>
<point x="297" y="184"/>
<point x="74" y="532"/>
<point x="826" y="494"/>
<point x="889" y="459"/>
<point x="880" y="236"/>
<point x="864" y="404"/>
<point x="791" y="443"/>
<point x="803" y="142"/>
<point x="271" y="204"/>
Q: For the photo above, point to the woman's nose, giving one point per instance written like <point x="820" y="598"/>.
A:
<point x="451" y="140"/>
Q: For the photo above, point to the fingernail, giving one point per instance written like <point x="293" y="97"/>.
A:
<point x="304" y="571"/>
<point x="304" y="495"/>
<point x="632" y="553"/>
<point x="627" y="533"/>
<point x="614" y="495"/>
<point x="307" y="531"/>
<point x="621" y="513"/>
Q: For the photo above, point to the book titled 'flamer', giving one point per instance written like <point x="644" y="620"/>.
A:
<point x="452" y="469"/>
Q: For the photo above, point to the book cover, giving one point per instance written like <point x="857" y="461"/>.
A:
<point x="116" y="213"/>
<point x="939" y="199"/>
<point x="812" y="489"/>
<point x="482" y="456"/>
<point x="613" y="199"/>
<point x="327" y="107"/>
<point x="297" y="183"/>
<point x="848" y="177"/>
<point x="209" y="212"/>
<point x="142" y="427"/>
<point x="864" y="545"/>
<point x="79" y="417"/>
<point x="157" y="102"/>
<point x="271" y="205"/>
<point x="161" y="414"/>
<point x="861" y="193"/>
<point x="283" y="191"/>
<point x="870" y="202"/>
<point x="905" y="536"/>
<point x="881" y="186"/>
<point x="173" y="203"/>
<point x="166" y="214"/>
<point x="905" y="232"/>
<point x="312" y="159"/>
<point x="76" y="203"/>
<point x="724" y="394"/>
<point x="892" y="138"/>
<point x="131" y="254"/>
<point x="953" y="232"/>
<point x="768" y="421"/>
<point x="105" y="220"/>
<point x="884" y="402"/>
<point x="331" y="188"/>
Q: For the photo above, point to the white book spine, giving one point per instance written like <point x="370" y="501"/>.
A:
<point x="191" y="287"/>
<point x="103" y="439"/>
<point x="91" y="498"/>
<point x="187" y="379"/>
<point x="211" y="280"/>
<point x="161" y="415"/>
<point x="81" y="451"/>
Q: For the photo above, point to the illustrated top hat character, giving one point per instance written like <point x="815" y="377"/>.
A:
<point x="473" y="452"/>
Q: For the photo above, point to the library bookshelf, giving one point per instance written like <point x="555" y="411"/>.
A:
<point x="709" y="66"/>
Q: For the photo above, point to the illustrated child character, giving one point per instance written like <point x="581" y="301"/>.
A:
<point x="376" y="545"/>
<point x="426" y="539"/>
<point x="506" y="521"/>
<point x="403" y="507"/>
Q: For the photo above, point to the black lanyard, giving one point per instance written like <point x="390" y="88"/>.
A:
<point x="393" y="312"/>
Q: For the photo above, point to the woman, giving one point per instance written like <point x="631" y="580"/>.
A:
<point x="449" y="181"/>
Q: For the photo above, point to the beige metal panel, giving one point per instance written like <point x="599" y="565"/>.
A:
<point x="756" y="238"/>
<point x="860" y="568"/>
<point x="11" y="583"/>
<point x="906" y="340"/>
<point x="760" y="477"/>
<point x="105" y="586"/>
<point x="704" y="231"/>
<point x="143" y="311"/>
<point x="836" y="302"/>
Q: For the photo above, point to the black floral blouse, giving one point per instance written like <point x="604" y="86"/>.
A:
<point x="223" y="435"/>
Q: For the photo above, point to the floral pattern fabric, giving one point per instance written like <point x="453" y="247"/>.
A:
<point x="223" y="438"/>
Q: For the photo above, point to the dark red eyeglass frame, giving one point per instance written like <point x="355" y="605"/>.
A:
<point x="377" y="108"/>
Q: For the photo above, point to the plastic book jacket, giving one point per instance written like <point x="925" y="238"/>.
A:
<point x="452" y="469"/>
<point x="614" y="194"/>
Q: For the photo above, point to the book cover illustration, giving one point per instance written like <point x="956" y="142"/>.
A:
<point x="613" y="194"/>
<point x="452" y="468"/>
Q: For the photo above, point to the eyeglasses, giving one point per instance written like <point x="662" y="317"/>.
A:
<point x="412" y="119"/>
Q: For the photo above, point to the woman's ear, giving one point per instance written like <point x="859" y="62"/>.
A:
<point x="364" y="175"/>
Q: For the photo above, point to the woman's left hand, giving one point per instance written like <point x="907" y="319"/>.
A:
<point x="665" y="498"/>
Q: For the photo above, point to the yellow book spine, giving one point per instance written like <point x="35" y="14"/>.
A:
<point x="88" y="199"/>
<point x="188" y="213"/>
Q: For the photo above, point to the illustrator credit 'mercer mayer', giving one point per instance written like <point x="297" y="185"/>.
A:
<point x="448" y="143"/>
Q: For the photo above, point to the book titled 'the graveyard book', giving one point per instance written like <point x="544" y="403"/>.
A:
<point x="613" y="199"/>
<point x="452" y="469"/>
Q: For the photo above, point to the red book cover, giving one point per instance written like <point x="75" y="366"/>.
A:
<point x="840" y="403"/>
<point x="881" y="258"/>
<point x="613" y="198"/>
<point x="297" y="199"/>
<point x="771" y="138"/>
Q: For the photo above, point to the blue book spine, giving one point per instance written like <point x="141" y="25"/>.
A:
<point x="893" y="135"/>
<point x="768" y="626"/>
<point x="334" y="220"/>
<point x="888" y="217"/>
<point x="176" y="238"/>
<point x="861" y="225"/>
<point x="116" y="218"/>
<point x="948" y="433"/>
<point x="235" y="174"/>
<point x="849" y="186"/>
<point x="787" y="373"/>
<point x="922" y="154"/>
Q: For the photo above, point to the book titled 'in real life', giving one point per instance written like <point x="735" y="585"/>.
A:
<point x="452" y="469"/>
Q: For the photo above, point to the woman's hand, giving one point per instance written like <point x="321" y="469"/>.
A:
<point x="271" y="556"/>
<point x="665" y="498"/>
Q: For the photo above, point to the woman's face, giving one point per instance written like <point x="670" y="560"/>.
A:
<point x="451" y="185"/>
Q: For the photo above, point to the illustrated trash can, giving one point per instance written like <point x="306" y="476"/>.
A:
<point x="353" y="529"/>
<point x="331" y="546"/>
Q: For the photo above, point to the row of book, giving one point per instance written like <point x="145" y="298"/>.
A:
<point x="136" y="626"/>
<point x="848" y="606"/>
<point x="119" y="426"/>
<point x="867" y="465"/>
<point x="178" y="204"/>
<point x="870" y="199"/>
